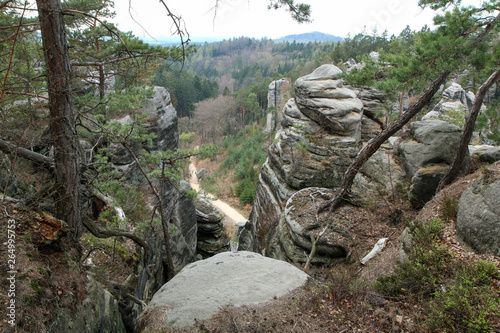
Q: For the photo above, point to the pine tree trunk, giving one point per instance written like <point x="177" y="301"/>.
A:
<point x="62" y="118"/>
<point x="452" y="172"/>
<point x="374" y="144"/>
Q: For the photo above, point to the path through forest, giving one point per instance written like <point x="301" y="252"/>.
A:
<point x="232" y="217"/>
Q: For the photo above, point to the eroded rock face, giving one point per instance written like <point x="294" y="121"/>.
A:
<point x="478" y="218"/>
<point x="98" y="312"/>
<point x="320" y="136"/>
<point x="163" y="120"/>
<point x="211" y="236"/>
<point x="202" y="288"/>
<point x="313" y="148"/>
<point x="426" y="156"/>
<point x="321" y="96"/>
<point x="292" y="240"/>
<point x="486" y="153"/>
<point x="455" y="103"/>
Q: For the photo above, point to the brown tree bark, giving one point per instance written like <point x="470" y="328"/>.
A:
<point x="62" y="118"/>
<point x="374" y="144"/>
<point x="452" y="172"/>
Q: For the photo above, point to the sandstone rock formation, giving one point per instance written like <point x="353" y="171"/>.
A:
<point x="98" y="312"/>
<point x="426" y="156"/>
<point x="275" y="95"/>
<point x="202" y="288"/>
<point x="211" y="236"/>
<point x="292" y="240"/>
<point x="454" y="105"/>
<point x="374" y="113"/>
<point x="163" y="120"/>
<point x="321" y="134"/>
<point x="478" y="218"/>
<point x="485" y="153"/>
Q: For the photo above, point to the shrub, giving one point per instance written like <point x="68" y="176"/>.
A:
<point x="426" y="265"/>
<point x="467" y="304"/>
<point x="456" y="293"/>
<point x="449" y="209"/>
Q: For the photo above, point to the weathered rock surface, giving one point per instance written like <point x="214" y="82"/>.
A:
<point x="486" y="153"/>
<point x="202" y="288"/>
<point x="454" y="100"/>
<point x="184" y="219"/>
<point x="322" y="98"/>
<point x="478" y="218"/>
<point x="425" y="157"/>
<point x="163" y="120"/>
<point x="98" y="312"/>
<point x="292" y="241"/>
<point x="211" y="236"/>
<point x="275" y="94"/>
<point x="320" y="136"/>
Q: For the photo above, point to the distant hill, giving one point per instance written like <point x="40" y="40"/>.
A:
<point x="314" y="36"/>
<point x="175" y="40"/>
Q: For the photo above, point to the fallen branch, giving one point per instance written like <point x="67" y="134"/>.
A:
<point x="39" y="159"/>
<point x="314" y="241"/>
<point x="379" y="246"/>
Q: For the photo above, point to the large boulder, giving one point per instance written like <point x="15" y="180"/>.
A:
<point x="202" y="288"/>
<point x="485" y="153"/>
<point x="425" y="158"/>
<point x="478" y="218"/>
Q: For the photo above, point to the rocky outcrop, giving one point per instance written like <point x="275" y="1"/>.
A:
<point x="202" y="288"/>
<point x="321" y="97"/>
<point x="321" y="134"/>
<point x="98" y="312"/>
<point x="162" y="121"/>
<point x="211" y="236"/>
<point x="374" y="113"/>
<point x="305" y="154"/>
<point x="454" y="105"/>
<point x="485" y="153"/>
<point x="426" y="158"/>
<point x="275" y="95"/>
<point x="478" y="218"/>
<point x="292" y="241"/>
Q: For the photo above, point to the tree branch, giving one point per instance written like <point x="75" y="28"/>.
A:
<point x="106" y="233"/>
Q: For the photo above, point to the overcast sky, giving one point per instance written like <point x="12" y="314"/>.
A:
<point x="251" y="18"/>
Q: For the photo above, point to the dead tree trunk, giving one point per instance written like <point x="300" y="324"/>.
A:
<point x="62" y="118"/>
<point x="374" y="144"/>
<point x="452" y="172"/>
